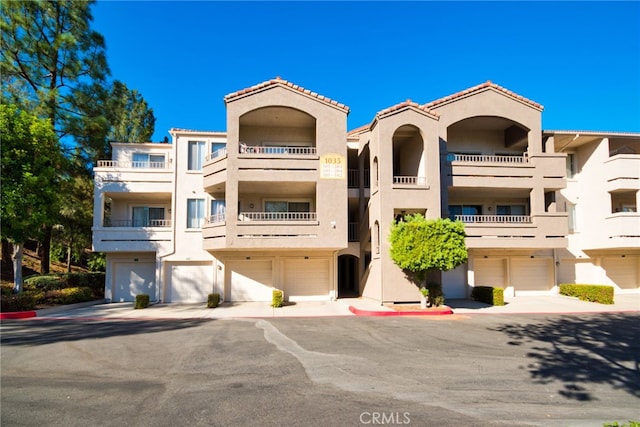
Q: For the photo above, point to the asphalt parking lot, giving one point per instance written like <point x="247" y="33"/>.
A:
<point x="539" y="370"/>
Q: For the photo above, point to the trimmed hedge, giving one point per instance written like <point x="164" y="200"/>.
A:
<point x="602" y="294"/>
<point x="213" y="300"/>
<point x="488" y="295"/>
<point x="50" y="282"/>
<point x="142" y="301"/>
<point x="69" y="295"/>
<point x="277" y="298"/>
<point x="19" y="302"/>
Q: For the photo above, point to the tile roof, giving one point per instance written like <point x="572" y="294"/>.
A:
<point x="481" y="87"/>
<point x="280" y="82"/>
<point x="592" y="133"/>
<point x="406" y="104"/>
<point x="359" y="130"/>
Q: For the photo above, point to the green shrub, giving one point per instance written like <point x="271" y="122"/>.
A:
<point x="51" y="282"/>
<point x="97" y="262"/>
<point x="593" y="293"/>
<point x="47" y="282"/>
<point x="6" y="289"/>
<point x="69" y="295"/>
<point x="627" y="424"/>
<point x="18" y="302"/>
<point x="488" y="295"/>
<point x="436" y="297"/>
<point x="277" y="298"/>
<point x="142" y="301"/>
<point x="213" y="300"/>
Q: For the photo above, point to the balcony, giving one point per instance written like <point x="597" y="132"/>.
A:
<point x="276" y="150"/>
<point x="489" y="159"/>
<point x="547" y="230"/>
<point x="113" y="175"/>
<point x="622" y="171"/>
<point x="123" y="236"/>
<point x="153" y="223"/>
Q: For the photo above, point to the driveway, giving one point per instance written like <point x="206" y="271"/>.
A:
<point x="570" y="370"/>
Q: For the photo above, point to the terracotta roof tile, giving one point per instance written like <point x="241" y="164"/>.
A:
<point x="480" y="87"/>
<point x="359" y="130"/>
<point x="406" y="104"/>
<point x="281" y="82"/>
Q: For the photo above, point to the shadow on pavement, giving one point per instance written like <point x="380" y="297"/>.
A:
<point x="582" y="350"/>
<point x="39" y="332"/>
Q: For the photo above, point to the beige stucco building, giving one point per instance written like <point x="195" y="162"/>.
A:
<point x="287" y="198"/>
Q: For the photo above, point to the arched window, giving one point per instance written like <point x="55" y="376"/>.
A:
<point x="376" y="234"/>
<point x="376" y="173"/>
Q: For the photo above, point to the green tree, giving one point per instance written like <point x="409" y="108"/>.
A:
<point x="30" y="158"/>
<point x="419" y="245"/>
<point x="130" y="116"/>
<point x="49" y="56"/>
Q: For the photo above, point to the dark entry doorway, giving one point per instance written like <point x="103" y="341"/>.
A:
<point x="348" y="276"/>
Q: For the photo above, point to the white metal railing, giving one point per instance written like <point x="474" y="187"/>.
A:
<point x="277" y="216"/>
<point x="485" y="158"/>
<point x="131" y="165"/>
<point x="215" y="219"/>
<point x="162" y="223"/>
<point x="496" y="219"/>
<point x="218" y="153"/>
<point x="410" y="180"/>
<point x="276" y="149"/>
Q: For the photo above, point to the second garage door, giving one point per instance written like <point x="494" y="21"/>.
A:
<point x="307" y="278"/>
<point x="190" y="283"/>
<point x="249" y="280"/>
<point x="622" y="272"/>
<point x="489" y="272"/>
<point x="532" y="274"/>
<point x="133" y="278"/>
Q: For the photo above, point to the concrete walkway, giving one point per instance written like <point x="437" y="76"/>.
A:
<point x="341" y="307"/>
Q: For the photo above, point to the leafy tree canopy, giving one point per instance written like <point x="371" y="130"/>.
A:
<point x="30" y="180"/>
<point x="419" y="245"/>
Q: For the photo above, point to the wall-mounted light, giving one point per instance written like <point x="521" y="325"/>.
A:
<point x="251" y="205"/>
<point x="333" y="224"/>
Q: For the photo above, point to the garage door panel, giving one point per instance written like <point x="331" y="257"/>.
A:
<point x="489" y="272"/>
<point x="454" y="282"/>
<point x="250" y="280"/>
<point x="532" y="274"/>
<point x="133" y="278"/>
<point x="191" y="283"/>
<point x="621" y="272"/>
<point x="307" y="278"/>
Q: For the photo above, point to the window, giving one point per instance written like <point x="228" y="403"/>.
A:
<point x="144" y="216"/>
<point x="464" y="210"/>
<point x="218" y="210"/>
<point x="196" y="155"/>
<point x="218" y="149"/>
<point x="280" y="206"/>
<point x="510" y="210"/>
<point x="195" y="213"/>
<point x="571" y="214"/>
<point x="146" y="160"/>
<point x="572" y="168"/>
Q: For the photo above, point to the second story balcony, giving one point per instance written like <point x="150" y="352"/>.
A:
<point x="622" y="171"/>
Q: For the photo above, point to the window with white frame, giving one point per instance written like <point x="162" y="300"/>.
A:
<point x="572" y="167"/>
<point x="195" y="213"/>
<point x="145" y="216"/>
<point x="571" y="215"/>
<point x="147" y="160"/>
<point x="196" y="155"/>
<point x="218" y="149"/>
<point x="218" y="210"/>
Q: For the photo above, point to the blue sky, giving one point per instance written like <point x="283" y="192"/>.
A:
<point x="580" y="60"/>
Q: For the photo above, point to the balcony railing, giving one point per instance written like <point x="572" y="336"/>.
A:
<point x="215" y="219"/>
<point x="131" y="165"/>
<point x="277" y="216"/>
<point x="216" y="154"/>
<point x="484" y="158"/>
<point x="410" y="180"/>
<point x="278" y="150"/>
<point x="135" y="224"/>
<point x="494" y="219"/>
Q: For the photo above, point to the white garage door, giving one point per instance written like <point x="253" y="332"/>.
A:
<point x="532" y="274"/>
<point x="133" y="278"/>
<point x="454" y="282"/>
<point x="489" y="272"/>
<point x="249" y="280"/>
<point x="622" y="272"/>
<point x="306" y="279"/>
<point x="190" y="283"/>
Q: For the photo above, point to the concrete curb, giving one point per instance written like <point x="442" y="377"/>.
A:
<point x="47" y="311"/>
<point x="438" y="312"/>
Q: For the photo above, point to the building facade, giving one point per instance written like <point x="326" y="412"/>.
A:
<point x="286" y="198"/>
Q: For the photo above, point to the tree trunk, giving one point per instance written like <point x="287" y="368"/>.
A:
<point x="69" y="257"/>
<point x="16" y="257"/>
<point x="44" y="249"/>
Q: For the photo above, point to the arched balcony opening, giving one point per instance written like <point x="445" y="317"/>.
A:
<point x="488" y="139"/>
<point x="408" y="156"/>
<point x="277" y="130"/>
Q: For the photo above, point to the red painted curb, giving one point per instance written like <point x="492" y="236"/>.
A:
<point x="441" y="312"/>
<point x="17" y="315"/>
